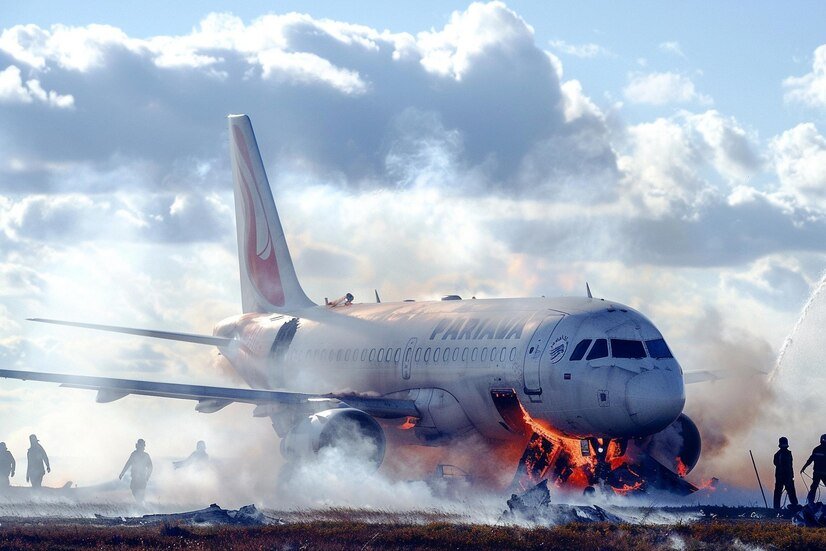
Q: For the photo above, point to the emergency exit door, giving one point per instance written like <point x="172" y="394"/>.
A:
<point x="533" y="356"/>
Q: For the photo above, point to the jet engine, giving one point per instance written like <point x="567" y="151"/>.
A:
<point x="349" y="431"/>
<point x="677" y="446"/>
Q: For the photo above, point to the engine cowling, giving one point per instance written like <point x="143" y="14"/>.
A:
<point x="356" y="434"/>
<point x="677" y="447"/>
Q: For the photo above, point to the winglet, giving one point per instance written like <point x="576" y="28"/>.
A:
<point x="588" y="290"/>
<point x="378" y="300"/>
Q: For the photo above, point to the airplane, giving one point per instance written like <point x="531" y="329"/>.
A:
<point x="588" y="386"/>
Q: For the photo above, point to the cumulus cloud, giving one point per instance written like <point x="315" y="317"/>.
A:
<point x="587" y="50"/>
<point x="809" y="89"/>
<point x="13" y="90"/>
<point x="799" y="156"/>
<point x="663" y="88"/>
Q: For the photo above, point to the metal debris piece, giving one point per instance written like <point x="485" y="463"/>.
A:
<point x="247" y="515"/>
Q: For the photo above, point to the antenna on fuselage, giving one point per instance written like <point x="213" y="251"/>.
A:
<point x="588" y="290"/>
<point x="378" y="300"/>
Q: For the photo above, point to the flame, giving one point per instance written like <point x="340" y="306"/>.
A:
<point x="409" y="423"/>
<point x="579" y="469"/>
<point x="682" y="470"/>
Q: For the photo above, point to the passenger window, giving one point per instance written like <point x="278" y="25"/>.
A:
<point x="485" y="354"/>
<point x="622" y="348"/>
<point x="580" y="350"/>
<point x="372" y="354"/>
<point x="502" y="354"/>
<point x="436" y="355"/>
<point x="599" y="350"/>
<point x="364" y="355"/>
<point x="332" y="355"/>
<point x="427" y="355"/>
<point x="512" y="356"/>
<point x="418" y="354"/>
<point x="381" y="354"/>
<point x="464" y="354"/>
<point x="474" y="354"/>
<point x="446" y="357"/>
<point x="339" y="354"/>
<point x="355" y="354"/>
<point x="658" y="349"/>
<point x="455" y="354"/>
<point x="398" y="355"/>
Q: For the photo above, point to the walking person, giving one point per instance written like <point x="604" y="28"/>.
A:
<point x="7" y="466"/>
<point x="784" y="474"/>
<point x="818" y="457"/>
<point x="140" y="466"/>
<point x="38" y="463"/>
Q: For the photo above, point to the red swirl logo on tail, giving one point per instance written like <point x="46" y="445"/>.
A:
<point x="262" y="266"/>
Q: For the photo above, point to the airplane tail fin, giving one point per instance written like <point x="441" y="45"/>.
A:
<point x="268" y="279"/>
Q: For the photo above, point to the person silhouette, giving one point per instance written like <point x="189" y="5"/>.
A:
<point x="140" y="466"/>
<point x="784" y="473"/>
<point x="818" y="457"/>
<point x="197" y="458"/>
<point x="7" y="465"/>
<point x="38" y="462"/>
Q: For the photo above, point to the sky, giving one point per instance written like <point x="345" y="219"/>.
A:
<point x="670" y="154"/>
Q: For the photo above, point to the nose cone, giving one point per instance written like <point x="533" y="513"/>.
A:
<point x="655" y="399"/>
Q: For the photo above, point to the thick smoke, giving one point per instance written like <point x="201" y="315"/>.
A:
<point x="751" y="412"/>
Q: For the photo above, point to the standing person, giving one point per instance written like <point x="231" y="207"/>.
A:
<point x="818" y="457"/>
<point x="140" y="465"/>
<point x="784" y="473"/>
<point x="38" y="462"/>
<point x="7" y="465"/>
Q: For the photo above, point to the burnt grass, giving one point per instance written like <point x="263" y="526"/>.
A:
<point x="345" y="535"/>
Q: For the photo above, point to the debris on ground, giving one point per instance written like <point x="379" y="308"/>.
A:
<point x="811" y="515"/>
<point x="247" y="515"/>
<point x="535" y="505"/>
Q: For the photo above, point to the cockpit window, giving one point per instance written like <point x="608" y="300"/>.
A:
<point x="621" y="348"/>
<point x="580" y="350"/>
<point x="658" y="349"/>
<point x="599" y="350"/>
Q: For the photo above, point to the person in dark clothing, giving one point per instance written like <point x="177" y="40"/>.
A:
<point x="140" y="465"/>
<point x="37" y="460"/>
<point x="818" y="457"/>
<point x="784" y="473"/>
<point x="7" y="465"/>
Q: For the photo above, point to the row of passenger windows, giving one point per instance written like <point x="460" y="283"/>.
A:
<point x="620" y="348"/>
<point x="427" y="355"/>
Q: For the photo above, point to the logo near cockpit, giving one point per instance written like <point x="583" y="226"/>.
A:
<point x="476" y="329"/>
<point x="557" y="349"/>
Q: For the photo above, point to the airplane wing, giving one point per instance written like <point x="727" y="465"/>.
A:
<point x="169" y="335"/>
<point x="213" y="398"/>
<point x="692" y="377"/>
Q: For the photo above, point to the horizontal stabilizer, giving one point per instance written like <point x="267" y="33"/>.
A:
<point x="155" y="334"/>
<point x="213" y="398"/>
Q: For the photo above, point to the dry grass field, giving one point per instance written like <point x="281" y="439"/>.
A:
<point x="360" y="535"/>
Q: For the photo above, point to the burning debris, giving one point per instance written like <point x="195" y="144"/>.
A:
<point x="212" y="515"/>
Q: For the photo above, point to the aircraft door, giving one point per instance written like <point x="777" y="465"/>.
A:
<point x="533" y="356"/>
<point x="407" y="360"/>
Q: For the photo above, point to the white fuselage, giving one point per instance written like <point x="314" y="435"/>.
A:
<point x="450" y="355"/>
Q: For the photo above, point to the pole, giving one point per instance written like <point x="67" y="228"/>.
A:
<point x="758" y="479"/>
